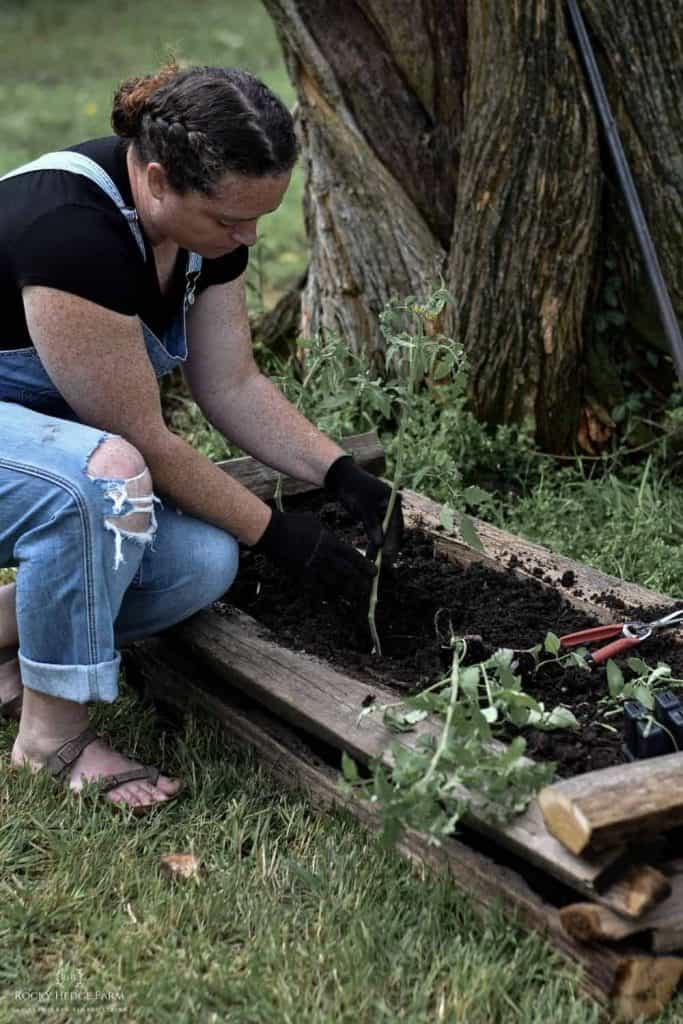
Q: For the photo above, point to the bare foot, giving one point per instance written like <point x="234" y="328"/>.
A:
<point x="99" y="759"/>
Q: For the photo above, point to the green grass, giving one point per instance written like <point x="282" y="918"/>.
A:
<point x="300" y="917"/>
<point x="629" y="524"/>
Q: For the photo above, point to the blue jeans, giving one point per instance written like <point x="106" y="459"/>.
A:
<point x="85" y="587"/>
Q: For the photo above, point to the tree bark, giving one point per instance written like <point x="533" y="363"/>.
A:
<point x="459" y="139"/>
<point x="526" y="217"/>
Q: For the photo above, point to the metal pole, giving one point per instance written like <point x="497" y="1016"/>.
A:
<point x="635" y="209"/>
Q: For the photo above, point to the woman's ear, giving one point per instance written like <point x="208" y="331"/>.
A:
<point x="157" y="182"/>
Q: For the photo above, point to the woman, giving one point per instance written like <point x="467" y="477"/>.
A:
<point x="120" y="259"/>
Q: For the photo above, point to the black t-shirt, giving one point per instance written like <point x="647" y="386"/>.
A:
<point x="61" y="230"/>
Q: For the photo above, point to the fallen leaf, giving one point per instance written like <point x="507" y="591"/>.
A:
<point x="181" y="865"/>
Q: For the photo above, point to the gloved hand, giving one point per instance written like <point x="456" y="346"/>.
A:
<point x="300" y="543"/>
<point x="366" y="498"/>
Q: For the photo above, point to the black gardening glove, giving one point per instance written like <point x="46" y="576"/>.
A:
<point x="366" y="498"/>
<point x="299" y="543"/>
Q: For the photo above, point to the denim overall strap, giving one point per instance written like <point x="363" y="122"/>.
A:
<point x="164" y="353"/>
<point x="194" y="269"/>
<point x="78" y="163"/>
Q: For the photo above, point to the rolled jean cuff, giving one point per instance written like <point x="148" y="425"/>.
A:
<point x="80" y="683"/>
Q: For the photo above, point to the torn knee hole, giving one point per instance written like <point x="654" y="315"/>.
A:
<point x="134" y="522"/>
<point x="135" y="491"/>
<point x="133" y="500"/>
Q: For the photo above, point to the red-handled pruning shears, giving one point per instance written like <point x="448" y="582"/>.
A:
<point x="630" y="635"/>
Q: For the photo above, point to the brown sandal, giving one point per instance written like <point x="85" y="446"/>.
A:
<point x="65" y="756"/>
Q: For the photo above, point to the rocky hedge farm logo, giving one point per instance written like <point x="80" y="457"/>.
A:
<point x="70" y="987"/>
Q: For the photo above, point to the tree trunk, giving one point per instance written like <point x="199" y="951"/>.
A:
<point x="458" y="139"/>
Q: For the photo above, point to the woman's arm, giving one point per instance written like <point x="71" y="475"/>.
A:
<point x="97" y="360"/>
<point x="240" y="401"/>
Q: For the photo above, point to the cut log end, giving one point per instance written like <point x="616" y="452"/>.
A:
<point x="644" y="887"/>
<point x="564" y="820"/>
<point x="644" y="985"/>
<point x="589" y="922"/>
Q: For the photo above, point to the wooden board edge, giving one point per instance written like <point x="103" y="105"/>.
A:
<point x="262" y="480"/>
<point x="590" y="588"/>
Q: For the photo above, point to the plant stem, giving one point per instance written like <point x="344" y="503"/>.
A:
<point x="413" y="368"/>
<point x="446" y="731"/>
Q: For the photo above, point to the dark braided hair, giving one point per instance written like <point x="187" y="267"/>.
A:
<point x="202" y="122"/>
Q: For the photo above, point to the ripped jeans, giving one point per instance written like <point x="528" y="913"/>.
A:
<point x="85" y="584"/>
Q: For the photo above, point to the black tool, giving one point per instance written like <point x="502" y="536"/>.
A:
<point x="635" y="209"/>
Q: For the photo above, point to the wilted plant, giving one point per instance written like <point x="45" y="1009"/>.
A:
<point x="424" y="788"/>
<point x="415" y="351"/>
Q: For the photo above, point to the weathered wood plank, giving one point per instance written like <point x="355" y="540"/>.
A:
<point x="262" y="479"/>
<point x="589" y="590"/>
<point x="624" y="980"/>
<point x="310" y="694"/>
<point x="609" y="806"/>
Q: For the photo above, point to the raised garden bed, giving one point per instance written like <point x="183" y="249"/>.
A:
<point x="426" y="595"/>
<point x="318" y="682"/>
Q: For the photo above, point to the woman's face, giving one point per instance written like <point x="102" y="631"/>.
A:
<point x="214" y="226"/>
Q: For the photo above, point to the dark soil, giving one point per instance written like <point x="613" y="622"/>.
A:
<point x="419" y="602"/>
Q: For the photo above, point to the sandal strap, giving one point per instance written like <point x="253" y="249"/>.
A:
<point x="69" y="751"/>
<point x="147" y="772"/>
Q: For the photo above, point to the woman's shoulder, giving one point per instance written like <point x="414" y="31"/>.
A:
<point x="109" y="152"/>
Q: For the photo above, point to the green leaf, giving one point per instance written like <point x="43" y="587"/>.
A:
<point x="513" y="753"/>
<point x="561" y="718"/>
<point x="397" y="720"/>
<point x="638" y="665"/>
<point x="446" y="518"/>
<point x="645" y="695"/>
<point x="414" y="716"/>
<point x="469" y="680"/>
<point x="615" y="679"/>
<point x="518" y="715"/>
<point x="476" y="495"/>
<point x="552" y="644"/>
<point x="349" y="768"/>
<point x="469" y="533"/>
<point x="443" y="368"/>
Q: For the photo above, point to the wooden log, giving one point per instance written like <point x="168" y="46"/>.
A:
<point x="589" y="922"/>
<point x="644" y="985"/>
<point x="262" y="479"/>
<point x="606" y="807"/>
<point x="639" y="889"/>
<point x="629" y="984"/>
<point x="311" y="695"/>
<point x="663" y="924"/>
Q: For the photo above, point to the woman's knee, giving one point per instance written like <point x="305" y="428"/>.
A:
<point x="215" y="571"/>
<point x="117" y="459"/>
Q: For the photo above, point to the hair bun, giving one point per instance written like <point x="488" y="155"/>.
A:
<point x="131" y="100"/>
